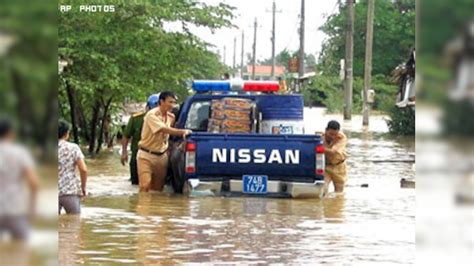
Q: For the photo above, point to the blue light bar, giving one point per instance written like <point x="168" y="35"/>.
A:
<point x="211" y="85"/>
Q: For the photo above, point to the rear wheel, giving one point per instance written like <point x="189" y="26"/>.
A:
<point x="177" y="168"/>
<point x="177" y="180"/>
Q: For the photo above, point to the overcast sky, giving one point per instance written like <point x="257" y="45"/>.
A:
<point x="287" y="24"/>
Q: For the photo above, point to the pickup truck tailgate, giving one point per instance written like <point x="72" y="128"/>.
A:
<point x="234" y="155"/>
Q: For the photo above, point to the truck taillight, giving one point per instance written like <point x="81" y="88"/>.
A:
<point x="190" y="160"/>
<point x="190" y="146"/>
<point x="319" y="160"/>
<point x="319" y="149"/>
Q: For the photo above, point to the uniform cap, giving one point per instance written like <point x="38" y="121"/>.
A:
<point x="153" y="101"/>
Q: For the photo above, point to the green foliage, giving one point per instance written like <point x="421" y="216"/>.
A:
<point x="281" y="59"/>
<point x="385" y="93"/>
<point x="394" y="36"/>
<point x="128" y="52"/>
<point x="329" y="91"/>
<point x="402" y="121"/>
<point x="131" y="53"/>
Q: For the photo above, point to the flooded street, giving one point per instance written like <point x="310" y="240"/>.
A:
<point x="372" y="222"/>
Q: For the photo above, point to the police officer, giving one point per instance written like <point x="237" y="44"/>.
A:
<point x="133" y="131"/>
<point x="282" y="86"/>
<point x="335" y="152"/>
<point x="152" y="157"/>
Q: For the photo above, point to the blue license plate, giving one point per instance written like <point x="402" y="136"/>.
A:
<point x="255" y="184"/>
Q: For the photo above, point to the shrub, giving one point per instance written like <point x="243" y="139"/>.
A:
<point x="402" y="121"/>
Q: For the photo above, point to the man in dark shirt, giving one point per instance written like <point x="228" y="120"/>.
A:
<point x="133" y="131"/>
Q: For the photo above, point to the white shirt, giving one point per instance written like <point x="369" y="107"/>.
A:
<point x="14" y="194"/>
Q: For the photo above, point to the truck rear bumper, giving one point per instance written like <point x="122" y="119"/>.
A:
<point x="274" y="188"/>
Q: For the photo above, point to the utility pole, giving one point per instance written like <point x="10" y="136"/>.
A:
<point x="242" y="57"/>
<point x="349" y="56"/>
<point x="301" y="52"/>
<point x="368" y="61"/>
<point x="274" y="11"/>
<point x="235" y="49"/>
<point x="254" y="48"/>
<point x="273" y="40"/>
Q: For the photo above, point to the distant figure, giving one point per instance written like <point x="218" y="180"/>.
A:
<point x="133" y="131"/>
<point x="226" y="76"/>
<point x="70" y="157"/>
<point x="18" y="184"/>
<point x="335" y="152"/>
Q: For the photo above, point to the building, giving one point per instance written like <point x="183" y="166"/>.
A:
<point x="263" y="72"/>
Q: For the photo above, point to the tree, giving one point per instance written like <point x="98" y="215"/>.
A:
<point x="394" y="36"/>
<point x="128" y="54"/>
<point x="281" y="59"/>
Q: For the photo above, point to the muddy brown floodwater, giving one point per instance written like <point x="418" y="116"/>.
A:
<point x="364" y="225"/>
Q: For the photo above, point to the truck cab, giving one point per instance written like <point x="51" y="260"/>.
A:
<point x="273" y="158"/>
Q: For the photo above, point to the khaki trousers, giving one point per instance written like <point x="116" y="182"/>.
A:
<point x="152" y="171"/>
<point x="336" y="174"/>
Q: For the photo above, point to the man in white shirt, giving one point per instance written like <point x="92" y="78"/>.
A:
<point x="18" y="184"/>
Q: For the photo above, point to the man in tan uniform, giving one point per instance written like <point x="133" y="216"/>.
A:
<point x="152" y="157"/>
<point x="335" y="152"/>
<point x="282" y="83"/>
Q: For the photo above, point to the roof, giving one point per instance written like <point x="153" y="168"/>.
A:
<point x="265" y="70"/>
